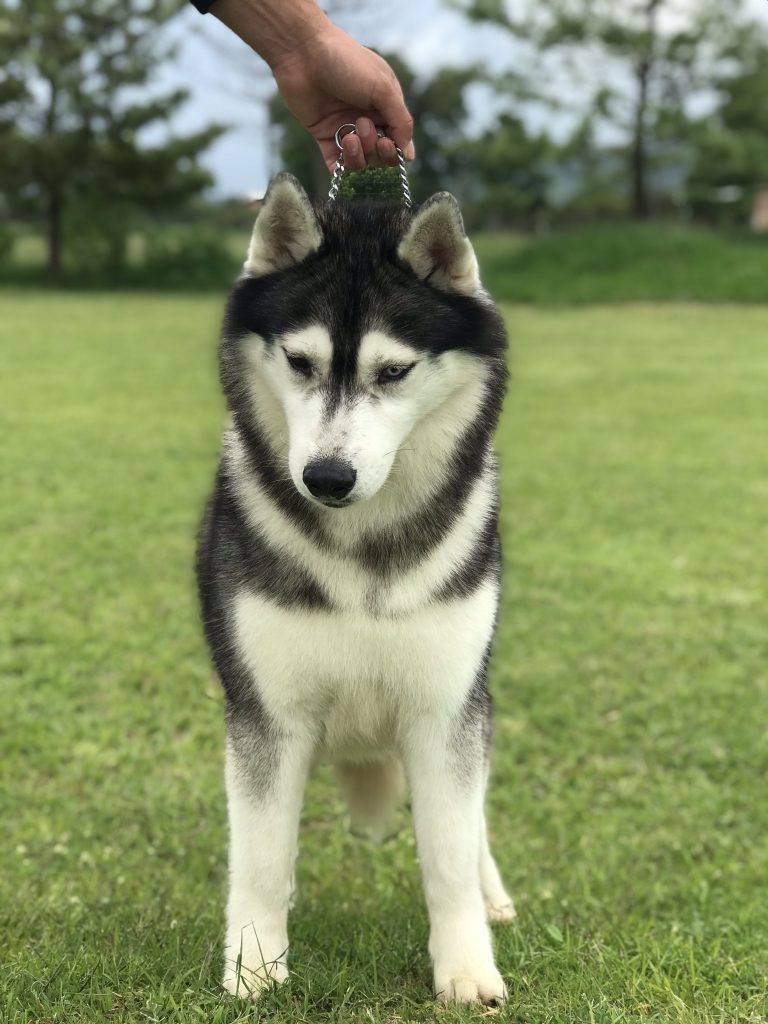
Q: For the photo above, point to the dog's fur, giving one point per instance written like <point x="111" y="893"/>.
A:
<point x="357" y="626"/>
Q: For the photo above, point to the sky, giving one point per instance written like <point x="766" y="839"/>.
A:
<point x="229" y="83"/>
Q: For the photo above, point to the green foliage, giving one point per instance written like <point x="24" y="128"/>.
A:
<point x="731" y="144"/>
<point x="200" y="254"/>
<point x="611" y="262"/>
<point x="626" y="804"/>
<point x="590" y="177"/>
<point x="654" y="56"/>
<point x="71" y="125"/>
<point x="372" y="183"/>
<point x="7" y="241"/>
<point x="626" y="262"/>
<point x="299" y="153"/>
<point x="439" y="109"/>
<point x="508" y="167"/>
<point x="198" y="257"/>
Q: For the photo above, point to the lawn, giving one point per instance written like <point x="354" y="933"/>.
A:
<point x="628" y="802"/>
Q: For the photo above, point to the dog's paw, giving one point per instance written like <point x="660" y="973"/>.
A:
<point x="247" y="984"/>
<point x="470" y="986"/>
<point x="501" y="913"/>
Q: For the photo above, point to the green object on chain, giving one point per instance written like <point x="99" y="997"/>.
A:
<point x="371" y="183"/>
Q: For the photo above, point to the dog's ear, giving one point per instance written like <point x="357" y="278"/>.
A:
<point x="286" y="229"/>
<point x="437" y="248"/>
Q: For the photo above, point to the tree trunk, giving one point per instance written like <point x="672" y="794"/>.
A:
<point x="641" y="204"/>
<point x="641" y="207"/>
<point x="53" y="212"/>
<point x="54" y="232"/>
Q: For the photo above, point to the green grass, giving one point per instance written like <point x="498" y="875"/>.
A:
<point x="627" y="262"/>
<point x="627" y="805"/>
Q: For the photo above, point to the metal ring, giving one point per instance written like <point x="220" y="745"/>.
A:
<point x="346" y="129"/>
<point x="338" y="170"/>
<point x="351" y="129"/>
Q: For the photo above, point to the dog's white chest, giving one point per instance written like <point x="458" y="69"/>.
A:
<point x="358" y="677"/>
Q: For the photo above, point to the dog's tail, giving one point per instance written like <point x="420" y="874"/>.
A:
<point x="374" y="791"/>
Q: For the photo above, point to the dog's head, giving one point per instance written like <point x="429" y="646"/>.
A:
<point x="352" y="327"/>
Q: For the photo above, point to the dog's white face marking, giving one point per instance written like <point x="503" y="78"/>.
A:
<point x="365" y="423"/>
<point x="312" y="344"/>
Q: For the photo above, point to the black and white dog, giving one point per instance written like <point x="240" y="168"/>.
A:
<point x="349" y="560"/>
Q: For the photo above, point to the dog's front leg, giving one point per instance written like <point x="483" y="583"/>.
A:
<point x="265" y="780"/>
<point x="446" y="769"/>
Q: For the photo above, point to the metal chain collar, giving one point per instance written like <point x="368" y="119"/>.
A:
<point x="338" y="170"/>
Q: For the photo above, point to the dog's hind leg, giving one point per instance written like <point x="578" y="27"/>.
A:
<point x="265" y="785"/>
<point x="373" y="792"/>
<point x="498" y="902"/>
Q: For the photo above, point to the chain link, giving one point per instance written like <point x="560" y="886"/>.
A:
<point x="338" y="174"/>
<point x="407" y="201"/>
<point x="339" y="168"/>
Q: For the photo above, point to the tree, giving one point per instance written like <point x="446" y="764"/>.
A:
<point x="71" y="124"/>
<point x="507" y="173"/>
<point x="634" y="64"/>
<point x="297" y="151"/>
<point x="731" y="143"/>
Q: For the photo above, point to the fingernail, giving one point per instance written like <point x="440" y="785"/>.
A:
<point x="410" y="151"/>
<point x="353" y="147"/>
<point x="363" y="127"/>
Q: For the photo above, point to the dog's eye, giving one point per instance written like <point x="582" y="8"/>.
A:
<point x="393" y="373"/>
<point x="300" y="365"/>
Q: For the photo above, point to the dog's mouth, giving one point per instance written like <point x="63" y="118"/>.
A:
<point x="328" y="502"/>
<point x="333" y="503"/>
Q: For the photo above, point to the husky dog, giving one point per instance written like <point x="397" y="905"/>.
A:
<point x="349" y="560"/>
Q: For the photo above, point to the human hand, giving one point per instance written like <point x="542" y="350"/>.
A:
<point x="332" y="80"/>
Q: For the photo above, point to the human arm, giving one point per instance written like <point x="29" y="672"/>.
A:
<point x="325" y="78"/>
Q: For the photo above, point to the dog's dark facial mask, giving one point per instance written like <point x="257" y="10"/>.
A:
<point x="354" y="328"/>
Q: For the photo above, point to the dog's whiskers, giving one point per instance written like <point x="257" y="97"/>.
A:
<point x="395" y="451"/>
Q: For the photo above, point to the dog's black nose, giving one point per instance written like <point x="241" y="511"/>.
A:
<point x="329" y="479"/>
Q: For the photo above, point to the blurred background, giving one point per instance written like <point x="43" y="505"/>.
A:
<point x="139" y="137"/>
